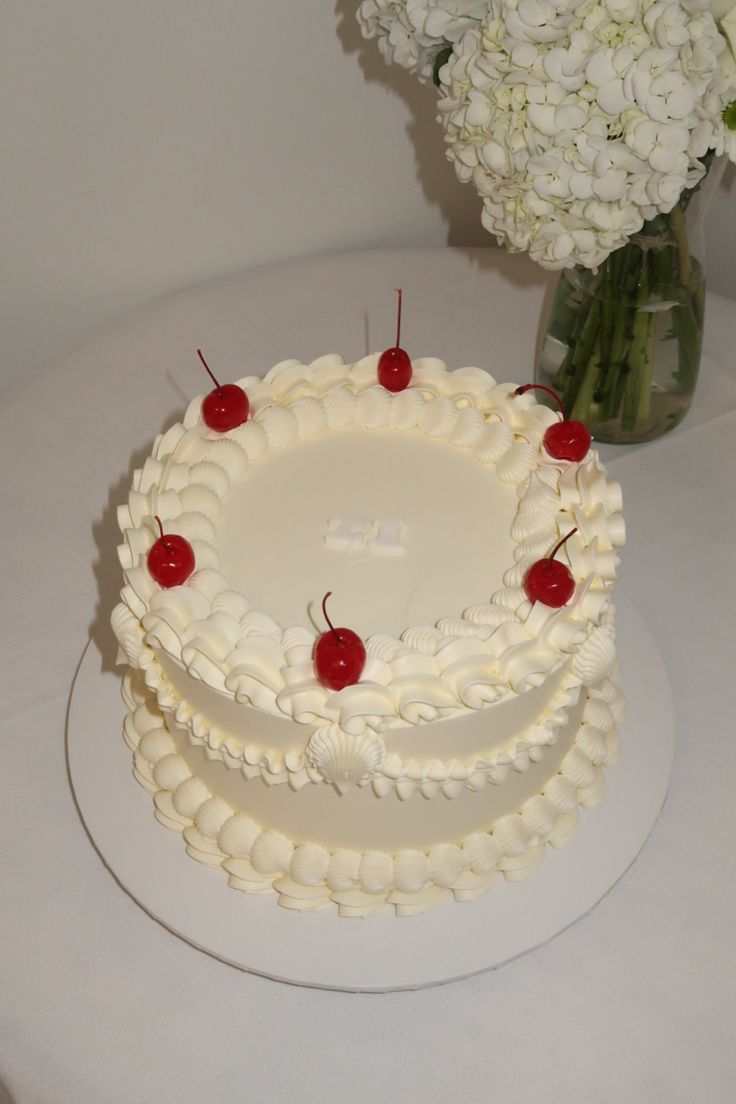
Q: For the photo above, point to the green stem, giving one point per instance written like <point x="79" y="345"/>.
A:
<point x="613" y="322"/>
<point x="608" y="311"/>
<point x="579" y="303"/>
<point x="687" y="316"/>
<point x="580" y="410"/>
<point x="679" y="232"/>
<point x="637" y="392"/>
<point x="565" y="311"/>
<point x="687" y="323"/>
<point x="581" y="354"/>
<point x="629" y="260"/>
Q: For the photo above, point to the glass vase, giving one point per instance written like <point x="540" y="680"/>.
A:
<point x="621" y="345"/>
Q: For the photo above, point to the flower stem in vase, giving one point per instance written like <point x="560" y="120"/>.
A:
<point x="569" y="323"/>
<point x="581" y="378"/>
<point x="679" y="231"/>
<point x="580" y="410"/>
<point x="687" y="315"/>
<point x="608" y="309"/>
<point x="565" y="310"/>
<point x="625" y="265"/>
<point x="687" y="322"/>
<point x="623" y="342"/>
<point x="637" y="391"/>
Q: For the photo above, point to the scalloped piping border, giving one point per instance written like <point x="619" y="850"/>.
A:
<point x="404" y="775"/>
<point x="307" y="876"/>
<point x="484" y="397"/>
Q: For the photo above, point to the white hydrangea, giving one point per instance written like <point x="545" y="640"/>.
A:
<point x="576" y="120"/>
<point x="412" y="32"/>
<point x="724" y="139"/>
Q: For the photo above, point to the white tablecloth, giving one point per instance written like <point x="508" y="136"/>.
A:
<point x="100" y="1004"/>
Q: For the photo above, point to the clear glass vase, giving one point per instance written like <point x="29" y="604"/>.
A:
<point x="621" y="345"/>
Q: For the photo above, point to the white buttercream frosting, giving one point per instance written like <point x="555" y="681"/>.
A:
<point x="489" y="711"/>
<point x="469" y="658"/>
<point x="343" y="759"/>
<point x="307" y="875"/>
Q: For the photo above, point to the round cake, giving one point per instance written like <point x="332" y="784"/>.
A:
<point x="480" y="718"/>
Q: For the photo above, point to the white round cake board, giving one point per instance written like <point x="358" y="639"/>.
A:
<point x="382" y="952"/>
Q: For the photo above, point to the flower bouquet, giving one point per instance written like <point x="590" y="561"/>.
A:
<point x="588" y="128"/>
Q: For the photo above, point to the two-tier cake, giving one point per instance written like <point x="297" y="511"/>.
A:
<point x="480" y="719"/>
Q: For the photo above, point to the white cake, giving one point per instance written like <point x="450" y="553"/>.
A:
<point x="481" y="721"/>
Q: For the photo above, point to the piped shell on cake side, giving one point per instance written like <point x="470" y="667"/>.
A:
<point x="342" y="759"/>
<point x="596" y="657"/>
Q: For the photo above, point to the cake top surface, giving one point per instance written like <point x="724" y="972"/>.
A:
<point x="402" y="530"/>
<point x="421" y="511"/>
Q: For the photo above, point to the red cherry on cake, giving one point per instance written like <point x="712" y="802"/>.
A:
<point x="394" y="365"/>
<point x="170" y="559"/>
<point x="339" y="655"/>
<point x="565" y="440"/>
<point x="549" y="580"/>
<point x="394" y="370"/>
<point x="226" y="407"/>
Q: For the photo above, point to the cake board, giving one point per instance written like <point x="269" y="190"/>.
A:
<point x="385" y="952"/>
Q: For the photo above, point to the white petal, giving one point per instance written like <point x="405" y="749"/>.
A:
<point x="535" y="13"/>
<point x="599" y="69"/>
<point x="542" y="116"/>
<point x="642" y="138"/>
<point x="681" y="102"/>
<point x="479" y="110"/>
<point x="494" y="157"/>
<point x="611" y="187"/>
<point x="656" y="108"/>
<point x="581" y="185"/>
<point x="664" y="160"/>
<point x="570" y="116"/>
<point x="552" y="62"/>
<point x="612" y="98"/>
<point x="524" y="55"/>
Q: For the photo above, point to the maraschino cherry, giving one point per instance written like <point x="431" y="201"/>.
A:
<point x="339" y="655"/>
<point x="394" y="365"/>
<point x="170" y="559"/>
<point x="549" y="580"/>
<point x="564" y="440"/>
<point x="226" y="407"/>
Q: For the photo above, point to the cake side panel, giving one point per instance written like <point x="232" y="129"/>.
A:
<point x="358" y="818"/>
<point x="307" y="875"/>
<point x="238" y="731"/>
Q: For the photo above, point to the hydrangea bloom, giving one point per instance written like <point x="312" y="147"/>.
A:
<point x="576" y="120"/>
<point x="412" y="32"/>
<point x="724" y="140"/>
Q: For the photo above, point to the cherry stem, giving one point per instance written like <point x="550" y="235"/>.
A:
<point x="398" y="317"/>
<point x="559" y="544"/>
<point x="338" y="638"/>
<point x="161" y="531"/>
<point x="207" y="368"/>
<point x="540" y="387"/>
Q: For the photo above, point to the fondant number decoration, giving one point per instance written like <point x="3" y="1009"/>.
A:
<point x="382" y="535"/>
<point x="345" y="531"/>
<point x="387" y="535"/>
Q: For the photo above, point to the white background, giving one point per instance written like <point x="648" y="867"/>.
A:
<point x="151" y="144"/>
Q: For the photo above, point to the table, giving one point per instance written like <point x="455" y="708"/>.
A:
<point x="98" y="1003"/>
